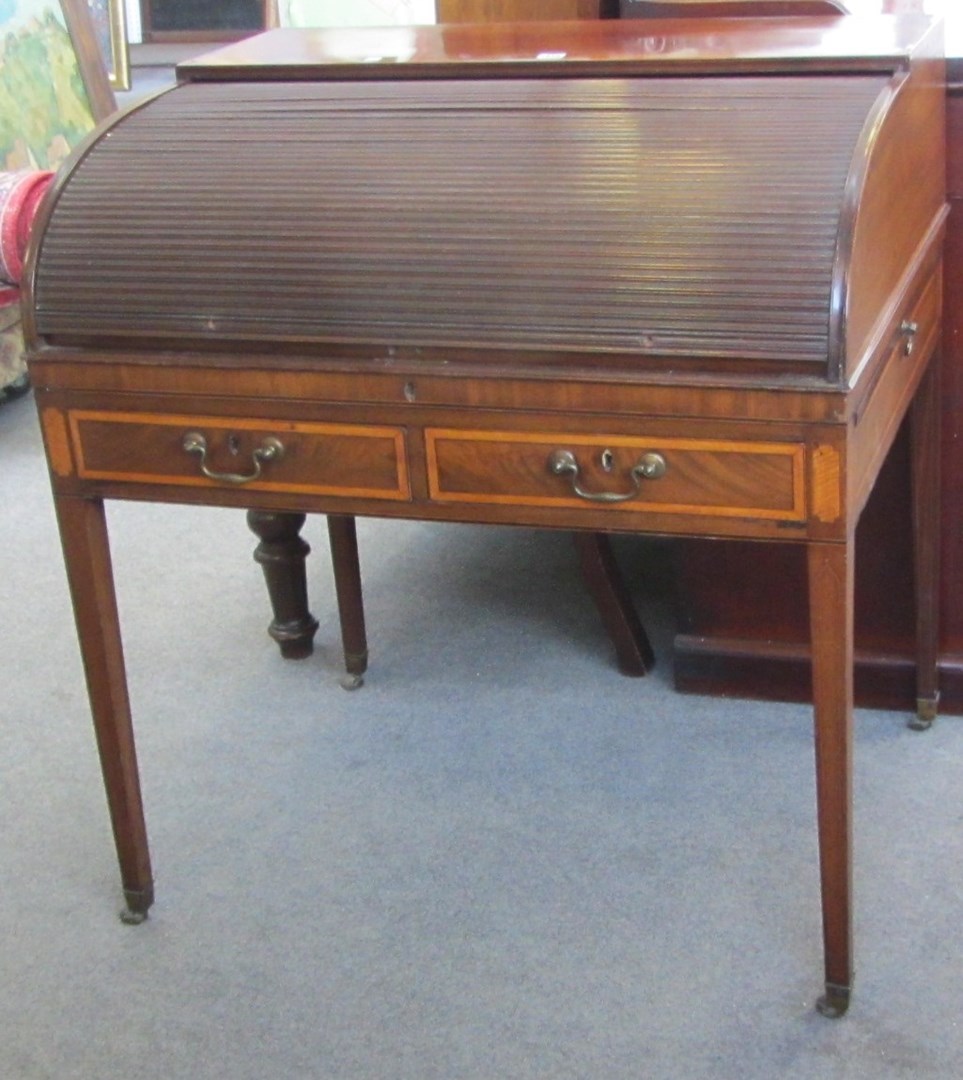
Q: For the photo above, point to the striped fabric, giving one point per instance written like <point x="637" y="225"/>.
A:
<point x="20" y="195"/>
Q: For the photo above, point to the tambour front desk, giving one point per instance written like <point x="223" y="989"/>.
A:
<point x="669" y="278"/>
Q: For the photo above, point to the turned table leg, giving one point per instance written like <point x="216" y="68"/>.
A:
<point x="925" y="452"/>
<point x="607" y="587"/>
<point x="281" y="554"/>
<point x="831" y="626"/>
<point x="83" y="530"/>
<point x="343" y="538"/>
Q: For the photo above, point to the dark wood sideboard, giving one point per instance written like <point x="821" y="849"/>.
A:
<point x="680" y="281"/>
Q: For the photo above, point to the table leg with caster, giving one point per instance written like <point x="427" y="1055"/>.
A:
<point x="831" y="622"/>
<point x="83" y="530"/>
<point x="343" y="538"/>
<point x="925" y="442"/>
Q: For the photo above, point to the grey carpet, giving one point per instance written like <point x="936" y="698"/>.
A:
<point x="498" y="859"/>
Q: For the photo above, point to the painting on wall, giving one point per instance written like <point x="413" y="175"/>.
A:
<point x="45" y="108"/>
<point x="110" y="26"/>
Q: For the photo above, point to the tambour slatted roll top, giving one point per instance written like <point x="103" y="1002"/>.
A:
<point x="691" y="218"/>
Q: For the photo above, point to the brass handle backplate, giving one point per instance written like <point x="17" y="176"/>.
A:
<point x="650" y="466"/>
<point x="271" y="449"/>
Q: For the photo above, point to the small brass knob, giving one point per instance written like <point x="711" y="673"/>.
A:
<point x="909" y="330"/>
<point x="652" y="465"/>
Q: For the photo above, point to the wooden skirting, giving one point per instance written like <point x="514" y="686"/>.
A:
<point x="780" y="671"/>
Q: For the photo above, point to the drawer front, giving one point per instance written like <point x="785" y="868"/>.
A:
<point x="264" y="455"/>
<point x="629" y="475"/>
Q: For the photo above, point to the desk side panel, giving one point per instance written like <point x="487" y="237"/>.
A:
<point x="898" y="216"/>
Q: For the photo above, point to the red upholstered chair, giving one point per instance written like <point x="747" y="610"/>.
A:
<point x="20" y="195"/>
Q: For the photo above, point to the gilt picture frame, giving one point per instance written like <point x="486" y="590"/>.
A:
<point x="109" y="20"/>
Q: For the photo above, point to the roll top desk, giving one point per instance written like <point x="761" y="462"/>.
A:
<point x="668" y="278"/>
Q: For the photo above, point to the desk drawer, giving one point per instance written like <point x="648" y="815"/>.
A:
<point x="264" y="455"/>
<point x="629" y="475"/>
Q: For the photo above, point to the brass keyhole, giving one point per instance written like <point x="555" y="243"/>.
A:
<point x="608" y="460"/>
<point x="233" y="445"/>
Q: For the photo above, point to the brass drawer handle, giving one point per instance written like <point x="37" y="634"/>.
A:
<point x="649" y="467"/>
<point x="271" y="449"/>
<point x="908" y="329"/>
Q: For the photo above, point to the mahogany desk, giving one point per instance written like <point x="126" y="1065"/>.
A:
<point x="681" y="279"/>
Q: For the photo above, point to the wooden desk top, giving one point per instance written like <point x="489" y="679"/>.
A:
<point x="544" y="49"/>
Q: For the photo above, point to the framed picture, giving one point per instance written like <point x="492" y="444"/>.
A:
<point x="110" y="26"/>
<point x="53" y="83"/>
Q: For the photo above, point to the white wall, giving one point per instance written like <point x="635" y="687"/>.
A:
<point x="355" y="12"/>
<point x="134" y="33"/>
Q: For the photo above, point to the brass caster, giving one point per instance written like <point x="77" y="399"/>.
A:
<point x="926" y="710"/>
<point x="138" y="904"/>
<point x="351" y="682"/>
<point x="834" y="1003"/>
